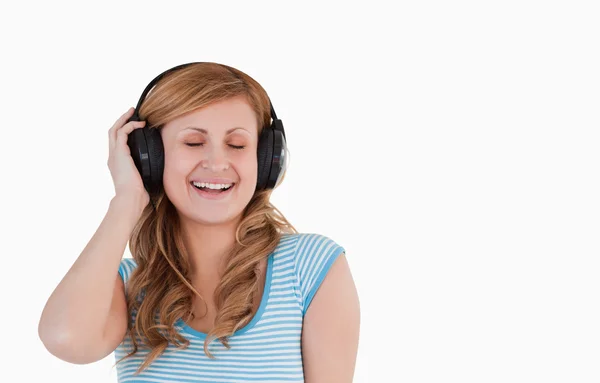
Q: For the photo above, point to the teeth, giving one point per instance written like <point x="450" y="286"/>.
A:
<point x="212" y="186"/>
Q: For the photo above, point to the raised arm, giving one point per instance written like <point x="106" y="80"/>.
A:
<point x="85" y="318"/>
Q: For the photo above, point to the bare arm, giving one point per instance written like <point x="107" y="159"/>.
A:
<point x="331" y="328"/>
<point x="85" y="318"/>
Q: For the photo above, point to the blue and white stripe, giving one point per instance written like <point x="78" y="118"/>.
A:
<point x="268" y="348"/>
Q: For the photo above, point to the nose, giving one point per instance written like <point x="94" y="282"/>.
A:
<point x="214" y="159"/>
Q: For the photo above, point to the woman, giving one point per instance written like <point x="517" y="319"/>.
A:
<point x="221" y="287"/>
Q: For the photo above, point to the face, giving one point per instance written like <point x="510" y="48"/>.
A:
<point x="212" y="147"/>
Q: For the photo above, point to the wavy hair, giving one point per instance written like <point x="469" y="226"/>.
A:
<point x="157" y="243"/>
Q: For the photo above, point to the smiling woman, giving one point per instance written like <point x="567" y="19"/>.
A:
<point x="213" y="259"/>
<point x="214" y="153"/>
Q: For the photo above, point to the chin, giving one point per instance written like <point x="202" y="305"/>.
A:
<point x="212" y="221"/>
<point x="209" y="216"/>
<point x="193" y="207"/>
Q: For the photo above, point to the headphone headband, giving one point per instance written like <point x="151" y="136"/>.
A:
<point x="278" y="126"/>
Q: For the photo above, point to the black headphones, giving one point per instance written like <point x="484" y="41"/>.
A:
<point x="147" y="149"/>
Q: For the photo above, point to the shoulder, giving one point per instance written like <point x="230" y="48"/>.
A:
<point x="313" y="247"/>
<point x="331" y="326"/>
<point x="313" y="256"/>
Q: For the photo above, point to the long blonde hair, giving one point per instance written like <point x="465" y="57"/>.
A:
<point x="157" y="244"/>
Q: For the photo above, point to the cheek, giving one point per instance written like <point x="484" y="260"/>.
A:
<point x="177" y="168"/>
<point x="248" y="167"/>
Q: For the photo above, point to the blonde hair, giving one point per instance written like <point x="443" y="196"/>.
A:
<point x="157" y="244"/>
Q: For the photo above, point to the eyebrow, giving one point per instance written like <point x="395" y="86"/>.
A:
<point x="202" y="130"/>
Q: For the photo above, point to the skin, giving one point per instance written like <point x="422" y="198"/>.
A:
<point x="209" y="225"/>
<point x="331" y="324"/>
<point x="330" y="332"/>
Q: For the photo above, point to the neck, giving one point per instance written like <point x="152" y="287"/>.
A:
<point x="207" y="247"/>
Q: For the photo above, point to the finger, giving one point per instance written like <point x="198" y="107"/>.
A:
<point x="123" y="133"/>
<point x="119" y="123"/>
<point x="126" y="129"/>
<point x="123" y="119"/>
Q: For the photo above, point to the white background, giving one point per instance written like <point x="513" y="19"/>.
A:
<point x="451" y="147"/>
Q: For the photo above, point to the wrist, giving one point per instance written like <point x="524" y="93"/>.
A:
<point x="130" y="205"/>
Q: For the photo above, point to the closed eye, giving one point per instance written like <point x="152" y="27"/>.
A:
<point x="237" y="147"/>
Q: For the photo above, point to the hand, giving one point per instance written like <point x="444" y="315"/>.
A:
<point x="125" y="175"/>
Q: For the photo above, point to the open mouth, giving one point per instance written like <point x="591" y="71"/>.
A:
<point x="212" y="190"/>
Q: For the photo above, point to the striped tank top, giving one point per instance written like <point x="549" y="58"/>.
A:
<point x="268" y="348"/>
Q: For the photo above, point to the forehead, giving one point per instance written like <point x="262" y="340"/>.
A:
<point x="217" y="118"/>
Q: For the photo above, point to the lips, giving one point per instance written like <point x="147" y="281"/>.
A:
<point x="213" y="190"/>
<point x="213" y="180"/>
<point x="212" y="194"/>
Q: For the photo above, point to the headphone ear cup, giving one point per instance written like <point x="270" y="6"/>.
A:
<point x="280" y="160"/>
<point x="264" y="156"/>
<point x="156" y="156"/>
